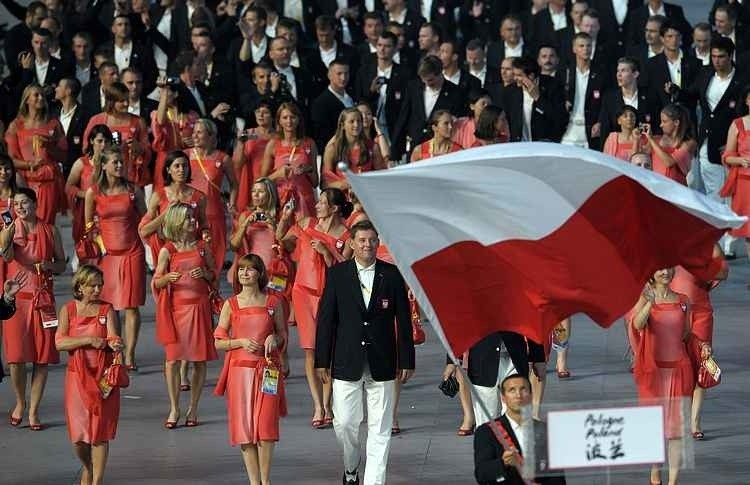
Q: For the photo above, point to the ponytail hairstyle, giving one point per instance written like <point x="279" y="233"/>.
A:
<point x="337" y="198"/>
<point x="341" y="145"/>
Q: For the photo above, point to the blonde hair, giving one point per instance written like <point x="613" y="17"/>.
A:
<point x="273" y="197"/>
<point x="23" y="108"/>
<point x="210" y="127"/>
<point x="174" y="219"/>
<point x="100" y="176"/>
<point x="114" y="93"/>
<point x="341" y="146"/>
<point x="84" y="276"/>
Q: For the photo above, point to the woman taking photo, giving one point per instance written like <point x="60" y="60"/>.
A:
<point x="319" y="242"/>
<point x="184" y="277"/>
<point x="81" y="178"/>
<point x="289" y="161"/>
<point x="117" y="206"/>
<point x="249" y="150"/>
<point x="88" y="331"/>
<point x="663" y="372"/>
<point x="672" y="152"/>
<point x="129" y="132"/>
<point x="210" y="167"/>
<point x="441" y="142"/>
<point x="252" y="331"/>
<point x="372" y="128"/>
<point x="464" y="128"/>
<point x="349" y="145"/>
<point x="37" y="143"/>
<point x="491" y="127"/>
<point x="255" y="231"/>
<point x="33" y="247"/>
<point x="629" y="140"/>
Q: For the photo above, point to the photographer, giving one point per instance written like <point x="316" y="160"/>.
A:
<point x="673" y="152"/>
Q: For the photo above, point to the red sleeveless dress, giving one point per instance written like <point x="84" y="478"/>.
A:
<point x="207" y="177"/>
<point x="354" y="164"/>
<point x="24" y="338"/>
<point x="253" y="415"/>
<point x="296" y="186"/>
<point x="90" y="418"/>
<point x="259" y="239"/>
<point x="621" y="150"/>
<point x="740" y="179"/>
<point x="183" y="311"/>
<point x="310" y="277"/>
<point x="137" y="168"/>
<point x="700" y="299"/>
<point x="678" y="171"/>
<point x="47" y="179"/>
<point x="663" y="371"/>
<point x="168" y="138"/>
<point x="425" y="152"/>
<point x="77" y="205"/>
<point x="124" y="263"/>
<point x="252" y="153"/>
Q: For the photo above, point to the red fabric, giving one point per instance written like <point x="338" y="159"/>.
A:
<point x="297" y="187"/>
<point x="252" y="153"/>
<point x="138" y="171"/>
<point x="354" y="164"/>
<point x="208" y="180"/>
<point x="75" y="204"/>
<point x="463" y="131"/>
<point x="621" y="150"/>
<point x="678" y="171"/>
<point x="737" y="184"/>
<point x="167" y="138"/>
<point x="425" y="149"/>
<point x="259" y="238"/>
<point x="596" y="263"/>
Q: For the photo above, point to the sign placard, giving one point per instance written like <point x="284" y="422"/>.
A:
<point x="605" y="437"/>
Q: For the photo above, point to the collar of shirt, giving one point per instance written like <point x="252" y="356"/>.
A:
<point x="400" y="18"/>
<point x="632" y="101"/>
<point x="345" y="99"/>
<point x="661" y="11"/>
<point x="521" y="430"/>
<point x="134" y="108"/>
<point x="516" y="51"/>
<point x="286" y="71"/>
<point x="332" y="50"/>
<point x="725" y="79"/>
<point x="431" y="92"/>
<point x="480" y="74"/>
<point x="677" y="61"/>
<point x="386" y="72"/>
<point x="455" y="78"/>
<point x="361" y="268"/>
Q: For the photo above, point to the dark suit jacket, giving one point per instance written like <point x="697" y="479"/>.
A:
<point x="543" y="29"/>
<point x="55" y="71"/>
<point x="742" y="10"/>
<point x="324" y="115"/>
<point x="74" y="135"/>
<point x="488" y="453"/>
<point x="441" y="14"/>
<point x="412" y="22"/>
<point x="319" y="71"/>
<point x="348" y="332"/>
<point x="222" y="85"/>
<point x="142" y="58"/>
<point x="17" y="39"/>
<point x="595" y="90"/>
<point x="484" y="357"/>
<point x="395" y="93"/>
<point x="90" y="97"/>
<point x="487" y="26"/>
<point x="548" y="115"/>
<point x="414" y="122"/>
<point x="617" y="32"/>
<point x="468" y="83"/>
<point x="310" y="11"/>
<point x="496" y="51"/>
<point x="649" y="109"/>
<point x="674" y="13"/>
<point x="657" y="75"/>
<point x="180" y="30"/>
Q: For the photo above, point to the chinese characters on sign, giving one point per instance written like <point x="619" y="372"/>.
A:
<point x="600" y="430"/>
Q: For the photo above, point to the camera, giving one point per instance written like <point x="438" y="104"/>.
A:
<point x="172" y="82"/>
<point x="116" y="138"/>
<point x="247" y="135"/>
<point x="260" y="217"/>
<point x="382" y="80"/>
<point x="644" y="126"/>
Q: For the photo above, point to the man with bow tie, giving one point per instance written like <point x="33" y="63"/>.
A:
<point x="358" y="345"/>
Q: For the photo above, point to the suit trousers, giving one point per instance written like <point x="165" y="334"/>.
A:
<point x="486" y="402"/>
<point x="575" y="134"/>
<point x="348" y="408"/>
<point x="713" y="177"/>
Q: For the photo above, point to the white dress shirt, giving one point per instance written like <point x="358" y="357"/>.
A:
<point x="328" y="56"/>
<point x="426" y="9"/>
<point x="290" y="79"/>
<point x="455" y="78"/>
<point x="294" y="59"/>
<point x="516" y="51"/>
<point x="621" y="10"/>
<point x="198" y="98"/>
<point x="366" y="277"/>
<point x="481" y="75"/>
<point x="559" y="19"/>
<point x="165" y="28"/>
<point x="41" y="71"/>
<point x="122" y="55"/>
<point x="579" y="101"/>
<point x="134" y="108"/>
<point x="631" y="101"/>
<point x="400" y="18"/>
<point x="271" y="28"/>
<point x="83" y="74"/>
<point x="716" y="89"/>
<point x="346" y="31"/>
<point x="293" y="10"/>
<point x="66" y="118"/>
<point x="382" y="94"/>
<point x="528" y="106"/>
<point x="675" y="70"/>
<point x="523" y="432"/>
<point x="370" y="5"/>
<point x="430" y="99"/>
<point x="661" y="11"/>
<point x="260" y="50"/>
<point x="704" y="58"/>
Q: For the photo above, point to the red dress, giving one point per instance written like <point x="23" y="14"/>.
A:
<point x="698" y="292"/>
<point x="253" y="415"/>
<point x="124" y="263"/>
<point x="252" y="153"/>
<point x="138" y="171"/>
<point x="425" y="150"/>
<point x="296" y="186"/>
<point x="90" y="418"/>
<point x="77" y="204"/>
<point x="678" y="171"/>
<point x="259" y="239"/>
<point x="310" y="277"/>
<point x="183" y="312"/>
<point x="24" y="339"/>
<point x="662" y="370"/>
<point x="168" y="137"/>
<point x="354" y="164"/>
<point x="47" y="179"/>
<point x="207" y="176"/>
<point x="739" y="179"/>
<point x="463" y="131"/>
<point x="5" y="205"/>
<point x="618" y="149"/>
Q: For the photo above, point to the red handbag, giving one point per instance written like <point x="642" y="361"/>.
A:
<point x="116" y="374"/>
<point x="280" y="272"/>
<point x="87" y="247"/>
<point x="708" y="371"/>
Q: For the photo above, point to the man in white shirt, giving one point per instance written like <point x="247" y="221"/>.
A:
<point x="476" y="61"/>
<point x="429" y="40"/>
<point x="254" y="40"/>
<point x="576" y="132"/>
<point x="280" y="54"/>
<point x="72" y="120"/>
<point x="702" y="43"/>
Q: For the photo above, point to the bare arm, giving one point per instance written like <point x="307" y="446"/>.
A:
<point x="156" y="219"/>
<point x="89" y="208"/>
<point x="64" y="342"/>
<point x="74" y="179"/>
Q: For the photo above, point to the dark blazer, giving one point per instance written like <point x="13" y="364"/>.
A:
<point x="324" y="114"/>
<point x="91" y="100"/>
<point x="742" y="10"/>
<point x="188" y="102"/>
<point x="74" y="135"/>
<point x="142" y="58"/>
<point x="484" y="357"/>
<point x="348" y="332"/>
<point x="595" y="90"/>
<point x="55" y="72"/>
<point x="441" y="14"/>
<point x="468" y="83"/>
<point x="313" y="63"/>
<point x="674" y="13"/>
<point x="414" y="122"/>
<point x="412" y="22"/>
<point x="617" y="32"/>
<point x="147" y="106"/>
<point x="496" y="51"/>
<point x="548" y="116"/>
<point x="657" y="75"/>
<point x="487" y="26"/>
<point x="488" y="453"/>
<point x="222" y="85"/>
<point x="543" y="29"/>
<point x="649" y="109"/>
<point x="715" y="123"/>
<point x="310" y="11"/>
<point x="395" y="93"/>
<point x="17" y="40"/>
<point x="180" y="30"/>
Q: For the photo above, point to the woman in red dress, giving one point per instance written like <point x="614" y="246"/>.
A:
<point x="171" y="128"/>
<point x="440" y="143"/>
<point x="210" y="167"/>
<point x="290" y="161"/>
<point x="373" y="130"/>
<point x="629" y="140"/>
<point x="184" y="277"/>
<point x="673" y="152"/>
<point x="736" y="157"/>
<point x="81" y="178"/>
<point x="492" y="128"/>
<point x="34" y="247"/>
<point x="663" y="372"/>
<point x="697" y="291"/>
<point x="255" y="231"/>
<point x="36" y="143"/>
<point x="464" y="128"/>
<point x="349" y="145"/>
<point x="319" y="242"/>
<point x="88" y="331"/>
<point x="129" y="132"/>
<point x="253" y="333"/>
<point x="249" y="150"/>
<point x="117" y="205"/>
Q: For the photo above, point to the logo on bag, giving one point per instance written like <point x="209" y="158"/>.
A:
<point x="103" y="320"/>
<point x="339" y="244"/>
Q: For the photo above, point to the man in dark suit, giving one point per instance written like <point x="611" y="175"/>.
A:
<point x="424" y="96"/>
<point x="534" y="106"/>
<point x="320" y="56"/>
<point x="563" y="38"/>
<point x="476" y="62"/>
<point x="449" y="54"/>
<point x="500" y="462"/>
<point x="358" y="345"/>
<point x="220" y="80"/>
<point x="439" y="13"/>
<point x="657" y="7"/>
<point x="616" y="21"/>
<point x="296" y="82"/>
<point x="174" y="15"/>
<point x="72" y="119"/>
<point x="92" y="95"/>
<point x="725" y="23"/>
<point x="411" y="19"/>
<point x="18" y="38"/>
<point x="332" y="101"/>
<point x="652" y="47"/>
<point x="603" y="51"/>
<point x="38" y="67"/>
<point x="138" y="103"/>
<point x="512" y="43"/>
<point x="372" y="28"/>
<point x="130" y="52"/>
<point x="547" y="22"/>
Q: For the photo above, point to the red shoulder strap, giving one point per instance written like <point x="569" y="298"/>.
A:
<point x="72" y="310"/>
<point x="169" y="246"/>
<point x="233" y="303"/>
<point x="740" y="124"/>
<point x="104" y="309"/>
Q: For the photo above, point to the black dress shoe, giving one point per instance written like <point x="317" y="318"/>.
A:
<point x="730" y="256"/>
<point x="351" y="481"/>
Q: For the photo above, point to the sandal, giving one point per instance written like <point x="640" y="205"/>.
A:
<point x="465" y="432"/>
<point x="395" y="429"/>
<point x="12" y="420"/>
<point x="698" y="435"/>
<point x="563" y="374"/>
<point x="318" y="423"/>
<point x="191" y="423"/>
<point x="170" y="424"/>
<point x="36" y="427"/>
<point x="184" y="387"/>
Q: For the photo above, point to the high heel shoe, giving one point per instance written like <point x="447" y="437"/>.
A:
<point x="12" y="420"/>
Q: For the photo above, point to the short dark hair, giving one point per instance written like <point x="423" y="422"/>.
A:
<point x="436" y="30"/>
<point x="474" y="44"/>
<point x="287" y="24"/>
<point x="704" y="26"/>
<point x="372" y="16"/>
<point x="28" y="192"/>
<point x="184" y="60"/>
<point x="32" y="7"/>
<point x="390" y="36"/>
<point x="723" y="43"/>
<point x="668" y="25"/>
<point x="582" y="35"/>
<point x="42" y="32"/>
<point x="339" y="61"/>
<point x="132" y="70"/>
<point x="593" y="13"/>
<point x="260" y="12"/>
<point x="657" y="18"/>
<point x="73" y="84"/>
<point x="514" y="376"/>
<point x="527" y="65"/>
<point x="108" y="64"/>
<point x="365" y="225"/>
<point x="631" y="61"/>
<point x="325" y="22"/>
<point x="727" y="9"/>
<point x="430" y="65"/>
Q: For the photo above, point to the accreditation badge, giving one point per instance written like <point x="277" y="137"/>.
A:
<point x="270" y="384"/>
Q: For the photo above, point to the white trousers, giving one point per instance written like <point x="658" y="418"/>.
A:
<point x="575" y="134"/>
<point x="348" y="408"/>
<point x="713" y="177"/>
<point x="491" y="405"/>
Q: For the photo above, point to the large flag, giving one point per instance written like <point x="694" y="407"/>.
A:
<point x="519" y="236"/>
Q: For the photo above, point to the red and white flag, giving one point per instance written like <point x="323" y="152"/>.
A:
<point x="519" y="236"/>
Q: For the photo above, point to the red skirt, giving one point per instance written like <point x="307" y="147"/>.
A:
<point x="83" y="425"/>
<point x="24" y="339"/>
<point x="125" y="278"/>
<point x="305" y="305"/>
<point x="193" y="325"/>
